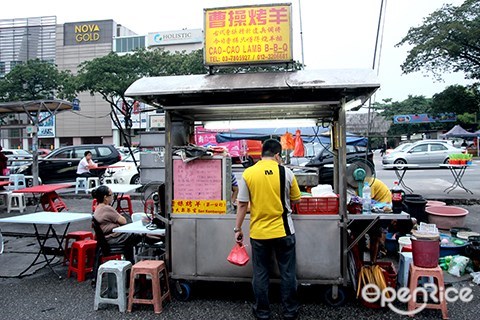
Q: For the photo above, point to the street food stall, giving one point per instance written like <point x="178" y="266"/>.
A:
<point x="198" y="243"/>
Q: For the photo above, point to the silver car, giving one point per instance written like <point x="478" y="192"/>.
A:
<point x="423" y="153"/>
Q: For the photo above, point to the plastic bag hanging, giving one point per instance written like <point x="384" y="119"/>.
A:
<point x="238" y="256"/>
<point x="287" y="141"/>
<point x="299" y="149"/>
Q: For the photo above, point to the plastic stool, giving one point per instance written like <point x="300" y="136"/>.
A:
<point x="17" y="181"/>
<point x="4" y="198"/>
<point x="120" y="270"/>
<point x="404" y="263"/>
<point x="93" y="182"/>
<point x="436" y="273"/>
<point x="82" y="257"/>
<point x="110" y="180"/>
<point x="16" y="201"/>
<point x="128" y="207"/>
<point x="51" y="201"/>
<point x="76" y="236"/>
<point x="81" y="185"/>
<point x="153" y="268"/>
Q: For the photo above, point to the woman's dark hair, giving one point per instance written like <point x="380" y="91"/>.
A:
<point x="86" y="153"/>
<point x="100" y="193"/>
<point x="271" y="147"/>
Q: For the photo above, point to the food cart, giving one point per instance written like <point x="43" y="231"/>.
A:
<point x="198" y="244"/>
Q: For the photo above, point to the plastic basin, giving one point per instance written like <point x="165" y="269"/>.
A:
<point x="433" y="203"/>
<point x="446" y="217"/>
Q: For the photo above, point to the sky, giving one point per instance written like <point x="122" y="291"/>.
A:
<point x="336" y="33"/>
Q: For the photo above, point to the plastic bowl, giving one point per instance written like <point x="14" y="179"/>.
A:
<point x="433" y="203"/>
<point x="446" y="217"/>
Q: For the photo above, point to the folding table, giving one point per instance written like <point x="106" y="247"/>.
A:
<point x="50" y="219"/>
<point x="44" y="189"/>
<point x="457" y="170"/>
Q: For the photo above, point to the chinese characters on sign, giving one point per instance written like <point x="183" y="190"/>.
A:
<point x="199" y="206"/>
<point x="241" y="35"/>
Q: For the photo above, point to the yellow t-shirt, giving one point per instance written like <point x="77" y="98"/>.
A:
<point x="260" y="184"/>
<point x="380" y="192"/>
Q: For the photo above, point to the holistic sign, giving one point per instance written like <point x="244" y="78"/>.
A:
<point x="245" y="35"/>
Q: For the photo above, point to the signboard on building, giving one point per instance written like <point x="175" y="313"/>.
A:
<point x="175" y="37"/>
<point x="88" y="32"/>
<point x="424" y="118"/>
<point x="157" y="121"/>
<point x="46" y="127"/>
<point x="248" y="34"/>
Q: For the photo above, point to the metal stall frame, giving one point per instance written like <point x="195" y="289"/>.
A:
<point x="197" y="245"/>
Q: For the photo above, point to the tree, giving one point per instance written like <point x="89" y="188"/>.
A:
<point x="448" y="40"/>
<point x="464" y="101"/>
<point x="36" y="80"/>
<point x="111" y="75"/>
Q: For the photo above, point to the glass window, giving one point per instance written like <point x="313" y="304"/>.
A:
<point x="104" y="151"/>
<point x="437" y="147"/>
<point x="421" y="148"/>
<point x="80" y="152"/>
<point x="65" y="154"/>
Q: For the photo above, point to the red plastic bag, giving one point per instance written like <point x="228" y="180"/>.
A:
<point x="238" y="256"/>
<point x="299" y="150"/>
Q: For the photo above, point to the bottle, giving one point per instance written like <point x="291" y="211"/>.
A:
<point x="366" y="199"/>
<point x="397" y="198"/>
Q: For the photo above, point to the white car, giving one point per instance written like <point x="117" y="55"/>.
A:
<point x="128" y="173"/>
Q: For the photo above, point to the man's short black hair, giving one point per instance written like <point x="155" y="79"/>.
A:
<point x="87" y="153"/>
<point x="271" y="147"/>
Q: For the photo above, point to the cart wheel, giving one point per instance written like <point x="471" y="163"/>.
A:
<point x="339" y="301"/>
<point x="181" y="291"/>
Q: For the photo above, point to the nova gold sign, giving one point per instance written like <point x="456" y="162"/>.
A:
<point x="87" y="33"/>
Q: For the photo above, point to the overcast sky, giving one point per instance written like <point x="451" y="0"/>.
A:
<point x="336" y="33"/>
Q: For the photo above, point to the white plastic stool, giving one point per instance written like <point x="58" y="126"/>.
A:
<point x="16" y="201"/>
<point x="117" y="279"/>
<point x="406" y="259"/>
<point x="4" y="198"/>
<point x="109" y="180"/>
<point x="93" y="182"/>
<point x="17" y="181"/>
<point x="81" y="185"/>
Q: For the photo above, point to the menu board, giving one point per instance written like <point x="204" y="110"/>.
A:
<point x="197" y="180"/>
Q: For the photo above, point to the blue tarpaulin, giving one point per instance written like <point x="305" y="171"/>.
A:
<point x="309" y="134"/>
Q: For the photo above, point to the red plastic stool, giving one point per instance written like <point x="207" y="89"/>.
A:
<point x="437" y="274"/>
<point x="82" y="257"/>
<point x="127" y="207"/>
<point x="52" y="202"/>
<point x="154" y="268"/>
<point x="76" y="236"/>
<point x="407" y="248"/>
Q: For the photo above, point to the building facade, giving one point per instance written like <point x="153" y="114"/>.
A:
<point x="68" y="45"/>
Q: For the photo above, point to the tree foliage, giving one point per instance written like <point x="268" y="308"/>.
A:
<point x="448" y="40"/>
<point x="36" y="80"/>
<point x="456" y="98"/>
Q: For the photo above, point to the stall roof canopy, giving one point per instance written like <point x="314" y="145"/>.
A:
<point x="245" y="96"/>
<point x="35" y="106"/>
<point x="459" y="132"/>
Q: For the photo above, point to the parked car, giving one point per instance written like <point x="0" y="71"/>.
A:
<point x="128" y="173"/>
<point x="61" y="164"/>
<point x="17" y="158"/>
<point x="425" y="153"/>
<point x="318" y="155"/>
<point x="398" y="148"/>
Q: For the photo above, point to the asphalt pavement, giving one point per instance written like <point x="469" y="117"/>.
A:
<point x="42" y="295"/>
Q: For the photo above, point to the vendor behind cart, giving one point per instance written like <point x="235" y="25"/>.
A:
<point x="271" y="189"/>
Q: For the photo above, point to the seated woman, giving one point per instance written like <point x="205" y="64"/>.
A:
<point x="109" y="218"/>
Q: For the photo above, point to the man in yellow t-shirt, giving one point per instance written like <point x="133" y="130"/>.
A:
<point x="271" y="189"/>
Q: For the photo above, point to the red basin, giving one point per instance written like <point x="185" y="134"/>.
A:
<point x="433" y="203"/>
<point x="446" y="217"/>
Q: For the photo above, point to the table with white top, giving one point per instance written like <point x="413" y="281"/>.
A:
<point x="400" y="170"/>
<point x="457" y="170"/>
<point x="50" y="219"/>
<point x="138" y="228"/>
